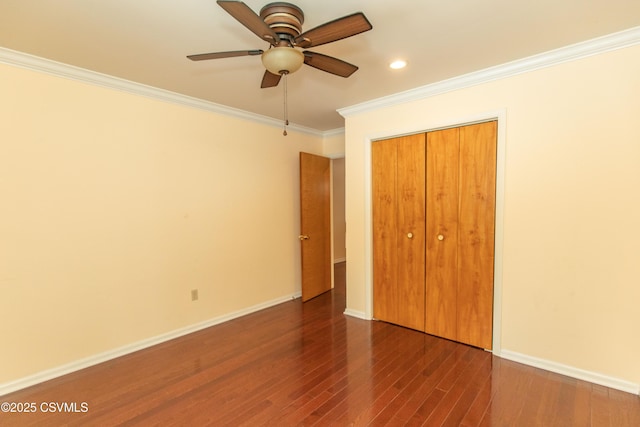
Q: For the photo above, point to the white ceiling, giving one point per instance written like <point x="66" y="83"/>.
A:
<point x="146" y="41"/>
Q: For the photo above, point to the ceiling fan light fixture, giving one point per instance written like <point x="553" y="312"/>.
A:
<point x="282" y="60"/>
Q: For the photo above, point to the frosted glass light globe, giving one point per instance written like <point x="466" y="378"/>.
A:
<point x="282" y="60"/>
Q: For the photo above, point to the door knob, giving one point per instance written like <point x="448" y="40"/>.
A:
<point x="409" y="235"/>
<point x="303" y="237"/>
<point x="440" y="237"/>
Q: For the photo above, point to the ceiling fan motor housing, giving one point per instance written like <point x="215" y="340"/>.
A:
<point x="285" y="19"/>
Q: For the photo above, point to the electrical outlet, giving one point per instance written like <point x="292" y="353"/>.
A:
<point x="194" y="295"/>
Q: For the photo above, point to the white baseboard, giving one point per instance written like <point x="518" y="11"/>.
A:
<point x="355" y="313"/>
<point x="77" y="365"/>
<point x="572" y="372"/>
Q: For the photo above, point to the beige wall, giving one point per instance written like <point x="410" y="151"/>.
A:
<point x="333" y="144"/>
<point x="333" y="147"/>
<point x="571" y="245"/>
<point x="339" y="226"/>
<point x="115" y="206"/>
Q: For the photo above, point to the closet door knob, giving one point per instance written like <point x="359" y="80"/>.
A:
<point x="440" y="237"/>
<point x="409" y="235"/>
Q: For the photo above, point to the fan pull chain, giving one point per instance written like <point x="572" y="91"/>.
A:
<point x="286" y="110"/>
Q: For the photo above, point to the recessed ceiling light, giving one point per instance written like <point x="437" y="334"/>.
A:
<point x="396" y="65"/>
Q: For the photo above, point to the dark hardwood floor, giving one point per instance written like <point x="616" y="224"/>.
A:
<point x="309" y="364"/>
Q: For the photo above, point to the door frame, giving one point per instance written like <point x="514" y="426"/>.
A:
<point x="500" y="116"/>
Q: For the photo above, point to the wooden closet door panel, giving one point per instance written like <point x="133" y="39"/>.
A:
<point x="411" y="230"/>
<point x="476" y="233"/>
<point x="442" y="233"/>
<point x="384" y="181"/>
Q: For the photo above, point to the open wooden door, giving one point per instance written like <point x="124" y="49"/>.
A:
<point x="315" y="224"/>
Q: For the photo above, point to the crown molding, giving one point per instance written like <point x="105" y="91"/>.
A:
<point x="333" y="132"/>
<point x="58" y="69"/>
<point x="619" y="40"/>
<point x="622" y="39"/>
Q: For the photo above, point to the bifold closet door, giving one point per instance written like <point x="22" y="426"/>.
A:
<point x="460" y="200"/>
<point x="398" y="198"/>
<point x="476" y="231"/>
<point x="443" y="149"/>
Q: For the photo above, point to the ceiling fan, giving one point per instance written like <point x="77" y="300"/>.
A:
<point x="280" y="25"/>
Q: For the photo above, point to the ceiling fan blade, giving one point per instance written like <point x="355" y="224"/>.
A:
<point x="217" y="55"/>
<point x="329" y="64"/>
<point x="270" y="79"/>
<point x="338" y="29"/>
<point x="247" y="17"/>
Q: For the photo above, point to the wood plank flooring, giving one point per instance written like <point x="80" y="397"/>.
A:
<point x="308" y="364"/>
